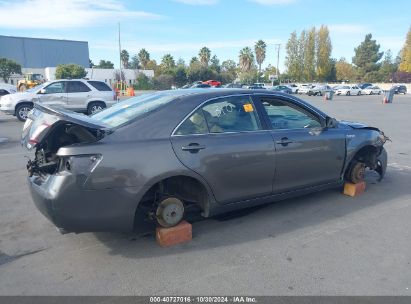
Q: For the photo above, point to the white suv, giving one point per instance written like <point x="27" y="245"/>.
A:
<point x="78" y="95"/>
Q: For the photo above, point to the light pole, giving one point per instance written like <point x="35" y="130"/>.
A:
<point x="278" y="46"/>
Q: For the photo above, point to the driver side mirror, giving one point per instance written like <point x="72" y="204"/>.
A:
<point x="42" y="91"/>
<point x="330" y="122"/>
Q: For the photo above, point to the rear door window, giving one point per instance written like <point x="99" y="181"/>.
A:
<point x="231" y="114"/>
<point x="99" y="85"/>
<point x="77" y="87"/>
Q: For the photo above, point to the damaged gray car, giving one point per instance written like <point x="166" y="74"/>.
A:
<point x="156" y="156"/>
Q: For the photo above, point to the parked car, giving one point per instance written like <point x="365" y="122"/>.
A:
<point x="6" y="89"/>
<point x="293" y="87"/>
<point x="256" y="87"/>
<point x="318" y="90"/>
<point x="282" y="89"/>
<point x="364" y="85"/>
<point x="348" y="90"/>
<point x="213" y="83"/>
<point x="303" y="88"/>
<point x="79" y="95"/>
<point x="372" y="90"/>
<point x="144" y="158"/>
<point x="233" y="86"/>
<point x="259" y="84"/>
<point x="200" y="86"/>
<point x="400" y="89"/>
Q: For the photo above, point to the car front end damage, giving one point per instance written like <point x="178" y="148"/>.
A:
<point x="365" y="149"/>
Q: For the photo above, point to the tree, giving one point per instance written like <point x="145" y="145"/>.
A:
<point x="388" y="67"/>
<point x="163" y="82"/>
<point x="324" y="48"/>
<point x="151" y="65"/>
<point x="260" y="50"/>
<point x="124" y="57"/>
<point x="144" y="58"/>
<point x="309" y="55"/>
<point x="204" y="56"/>
<point x="119" y="75"/>
<point x="270" y="70"/>
<point x="167" y="62"/>
<point x="135" y="62"/>
<point x="344" y="70"/>
<point x="105" y="65"/>
<point x="7" y="68"/>
<point x="405" y="57"/>
<point x="70" y="71"/>
<point x="293" y="57"/>
<point x="229" y="66"/>
<point x="181" y="62"/>
<point x="215" y="64"/>
<point x="180" y="76"/>
<point x="367" y="56"/>
<point x="143" y="82"/>
<point x="246" y="59"/>
<point x="194" y="61"/>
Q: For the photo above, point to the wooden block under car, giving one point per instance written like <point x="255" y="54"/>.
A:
<point x="181" y="233"/>
<point x="354" y="189"/>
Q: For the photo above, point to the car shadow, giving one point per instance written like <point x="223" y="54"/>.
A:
<point x="268" y="221"/>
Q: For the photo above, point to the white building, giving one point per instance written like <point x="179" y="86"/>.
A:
<point x="106" y="75"/>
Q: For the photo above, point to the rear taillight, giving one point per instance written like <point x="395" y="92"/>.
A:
<point x="80" y="164"/>
<point x="35" y="136"/>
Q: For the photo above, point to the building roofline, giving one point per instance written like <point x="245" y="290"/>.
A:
<point x="35" y="38"/>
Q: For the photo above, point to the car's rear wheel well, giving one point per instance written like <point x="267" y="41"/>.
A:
<point x="189" y="190"/>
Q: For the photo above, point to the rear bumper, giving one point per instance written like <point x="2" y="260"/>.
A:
<point x="74" y="209"/>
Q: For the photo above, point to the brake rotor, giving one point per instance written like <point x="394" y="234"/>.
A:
<point x="358" y="172"/>
<point x="170" y="212"/>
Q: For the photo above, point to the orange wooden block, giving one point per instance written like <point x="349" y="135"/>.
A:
<point x="354" y="189"/>
<point x="181" y="233"/>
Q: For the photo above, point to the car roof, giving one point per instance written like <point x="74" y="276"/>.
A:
<point x="185" y="101"/>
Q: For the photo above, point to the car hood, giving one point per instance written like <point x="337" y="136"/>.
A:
<point x="22" y="96"/>
<point x="356" y="125"/>
<point x="43" y="118"/>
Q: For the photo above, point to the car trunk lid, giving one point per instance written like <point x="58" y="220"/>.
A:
<point x="43" y="119"/>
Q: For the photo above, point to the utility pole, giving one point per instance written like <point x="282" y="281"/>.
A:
<point x="119" y="47"/>
<point x="278" y="46"/>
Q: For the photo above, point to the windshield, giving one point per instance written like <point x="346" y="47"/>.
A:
<point x="130" y="109"/>
<point x="37" y="87"/>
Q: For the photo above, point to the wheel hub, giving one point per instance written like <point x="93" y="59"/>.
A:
<point x="170" y="212"/>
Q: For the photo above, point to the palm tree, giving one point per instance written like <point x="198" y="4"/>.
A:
<point x="260" y="48"/>
<point x="168" y="61"/>
<point x="124" y="56"/>
<point x="144" y="58"/>
<point x="246" y="59"/>
<point x="204" y="56"/>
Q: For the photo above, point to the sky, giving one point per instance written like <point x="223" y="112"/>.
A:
<point x="182" y="27"/>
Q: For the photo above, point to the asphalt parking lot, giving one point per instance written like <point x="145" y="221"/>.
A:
<point x="320" y="244"/>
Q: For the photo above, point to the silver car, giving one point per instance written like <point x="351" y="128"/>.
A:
<point x="78" y="95"/>
<point x="155" y="156"/>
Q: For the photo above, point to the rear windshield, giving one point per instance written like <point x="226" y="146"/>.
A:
<point x="99" y="85"/>
<point x="130" y="109"/>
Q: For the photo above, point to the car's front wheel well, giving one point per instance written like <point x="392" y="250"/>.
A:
<point x="365" y="157"/>
<point x="189" y="190"/>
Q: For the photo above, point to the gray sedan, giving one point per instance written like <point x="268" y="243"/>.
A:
<point x="155" y="156"/>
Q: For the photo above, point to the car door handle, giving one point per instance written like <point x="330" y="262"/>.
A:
<point x="193" y="147"/>
<point x="284" y="141"/>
